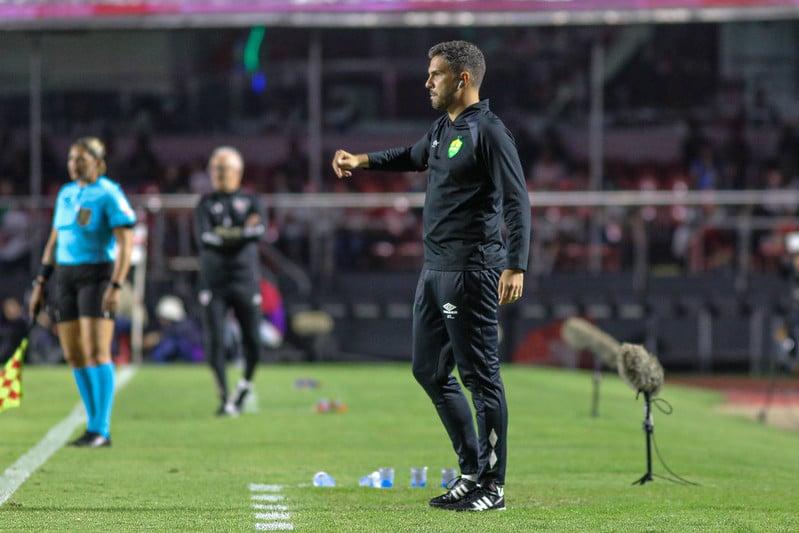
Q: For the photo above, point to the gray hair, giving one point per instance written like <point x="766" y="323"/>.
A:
<point x="461" y="56"/>
<point x="228" y="150"/>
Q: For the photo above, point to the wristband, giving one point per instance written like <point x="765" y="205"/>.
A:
<point x="116" y="284"/>
<point x="45" y="271"/>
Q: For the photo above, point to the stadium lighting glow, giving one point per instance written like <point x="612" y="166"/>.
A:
<point x="253" y="48"/>
<point x="95" y="14"/>
<point x="258" y="82"/>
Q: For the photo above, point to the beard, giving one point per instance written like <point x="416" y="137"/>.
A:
<point x="441" y="102"/>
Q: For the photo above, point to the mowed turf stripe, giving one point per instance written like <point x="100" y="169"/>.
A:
<point x="16" y="474"/>
<point x="277" y="518"/>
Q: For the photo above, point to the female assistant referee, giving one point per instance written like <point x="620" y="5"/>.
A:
<point x="91" y="215"/>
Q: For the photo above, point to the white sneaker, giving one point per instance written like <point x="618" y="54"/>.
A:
<point x="228" y="409"/>
<point x="244" y="399"/>
<point x="250" y="404"/>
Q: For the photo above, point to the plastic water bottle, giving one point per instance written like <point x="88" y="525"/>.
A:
<point x="418" y="476"/>
<point x="370" y="480"/>
<point x="323" y="405"/>
<point x="323" y="479"/>
<point x="447" y="476"/>
<point x="386" y="477"/>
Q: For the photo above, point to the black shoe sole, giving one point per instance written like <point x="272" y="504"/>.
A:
<point x="83" y="440"/>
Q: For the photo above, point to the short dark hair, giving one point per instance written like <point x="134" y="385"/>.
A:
<point x="461" y="56"/>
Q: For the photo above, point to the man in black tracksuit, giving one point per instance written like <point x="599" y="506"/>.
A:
<point x="228" y="224"/>
<point x="475" y="183"/>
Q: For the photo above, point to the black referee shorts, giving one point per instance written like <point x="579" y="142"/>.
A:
<point x="79" y="291"/>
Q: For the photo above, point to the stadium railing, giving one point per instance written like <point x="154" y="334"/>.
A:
<point x="698" y="315"/>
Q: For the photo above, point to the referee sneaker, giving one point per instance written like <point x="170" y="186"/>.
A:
<point x="475" y="182"/>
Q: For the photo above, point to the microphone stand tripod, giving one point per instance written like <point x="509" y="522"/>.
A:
<point x="597" y="378"/>
<point x="782" y="351"/>
<point x="772" y="384"/>
<point x="649" y="427"/>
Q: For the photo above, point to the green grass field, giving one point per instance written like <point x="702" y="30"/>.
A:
<point x="176" y="467"/>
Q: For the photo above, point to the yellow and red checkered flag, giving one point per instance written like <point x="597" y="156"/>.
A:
<point x="11" y="379"/>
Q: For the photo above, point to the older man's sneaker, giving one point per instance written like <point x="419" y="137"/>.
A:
<point x="227" y="409"/>
<point x="485" y="498"/>
<point x="245" y="391"/>
<point x="458" y="489"/>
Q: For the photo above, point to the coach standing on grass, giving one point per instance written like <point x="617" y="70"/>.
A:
<point x="89" y="250"/>
<point x="475" y="182"/>
<point x="228" y="223"/>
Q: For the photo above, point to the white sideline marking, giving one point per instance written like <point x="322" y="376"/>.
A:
<point x="272" y="516"/>
<point x="274" y="526"/>
<point x="16" y="474"/>
<point x="269" y="507"/>
<point x="262" y="487"/>
<point x="269" y="497"/>
<point x="277" y="518"/>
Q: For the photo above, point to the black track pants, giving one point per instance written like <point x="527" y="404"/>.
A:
<point x="455" y="323"/>
<point x="245" y="301"/>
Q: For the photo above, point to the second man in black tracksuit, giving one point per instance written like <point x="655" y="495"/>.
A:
<point x="228" y="223"/>
<point x="475" y="183"/>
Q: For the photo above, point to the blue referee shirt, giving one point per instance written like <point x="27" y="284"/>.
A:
<point x="85" y="218"/>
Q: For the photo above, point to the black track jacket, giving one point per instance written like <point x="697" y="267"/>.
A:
<point x="228" y="249"/>
<point x="475" y="178"/>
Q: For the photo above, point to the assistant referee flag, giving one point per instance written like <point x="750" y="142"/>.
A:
<point x="11" y="379"/>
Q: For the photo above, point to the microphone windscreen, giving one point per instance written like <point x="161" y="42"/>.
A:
<point x="641" y="370"/>
<point x="582" y="335"/>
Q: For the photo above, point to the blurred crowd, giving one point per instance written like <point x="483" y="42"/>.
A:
<point x="711" y="156"/>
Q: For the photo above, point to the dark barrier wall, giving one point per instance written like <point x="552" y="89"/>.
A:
<point x="692" y="323"/>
